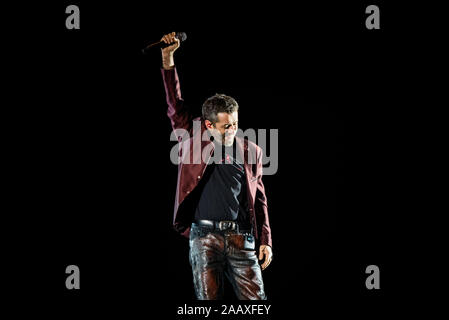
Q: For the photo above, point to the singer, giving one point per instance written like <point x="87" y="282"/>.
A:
<point x="220" y="205"/>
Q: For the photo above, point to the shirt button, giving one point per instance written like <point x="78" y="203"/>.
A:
<point x="188" y="191"/>
<point x="199" y="177"/>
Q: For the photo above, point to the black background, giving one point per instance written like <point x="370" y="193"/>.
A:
<point x="95" y="181"/>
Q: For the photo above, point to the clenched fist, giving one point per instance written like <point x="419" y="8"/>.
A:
<point x="168" y="61"/>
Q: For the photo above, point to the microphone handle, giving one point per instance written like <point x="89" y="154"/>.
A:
<point x="162" y="44"/>
<point x="153" y="45"/>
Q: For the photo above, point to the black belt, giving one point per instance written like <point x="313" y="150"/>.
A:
<point x="221" y="225"/>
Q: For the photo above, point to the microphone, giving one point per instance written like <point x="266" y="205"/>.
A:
<point x="161" y="44"/>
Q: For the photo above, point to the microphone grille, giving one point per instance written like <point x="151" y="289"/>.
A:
<point x="181" y="36"/>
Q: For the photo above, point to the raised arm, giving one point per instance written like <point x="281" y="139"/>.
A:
<point x="178" y="113"/>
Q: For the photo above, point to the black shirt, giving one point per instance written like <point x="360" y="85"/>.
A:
<point x="222" y="191"/>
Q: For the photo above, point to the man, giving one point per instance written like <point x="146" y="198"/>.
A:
<point x="220" y="205"/>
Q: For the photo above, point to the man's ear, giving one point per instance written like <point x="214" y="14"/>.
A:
<point x="208" y="124"/>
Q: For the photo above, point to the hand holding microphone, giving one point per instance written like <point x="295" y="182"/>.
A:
<point x="172" y="40"/>
<point x="169" y="43"/>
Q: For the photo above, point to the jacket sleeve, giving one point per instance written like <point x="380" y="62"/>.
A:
<point x="178" y="113"/>
<point x="261" y="207"/>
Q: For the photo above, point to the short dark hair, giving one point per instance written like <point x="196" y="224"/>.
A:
<point x="218" y="103"/>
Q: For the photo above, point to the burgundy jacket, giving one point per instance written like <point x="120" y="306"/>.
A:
<point x="189" y="174"/>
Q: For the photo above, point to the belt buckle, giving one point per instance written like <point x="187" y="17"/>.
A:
<point x="226" y="225"/>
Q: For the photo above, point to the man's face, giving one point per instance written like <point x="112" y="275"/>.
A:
<point x="225" y="128"/>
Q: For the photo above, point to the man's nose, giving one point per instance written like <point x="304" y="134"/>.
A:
<point x="232" y="129"/>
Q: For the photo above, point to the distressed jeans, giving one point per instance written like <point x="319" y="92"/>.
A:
<point x="217" y="254"/>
